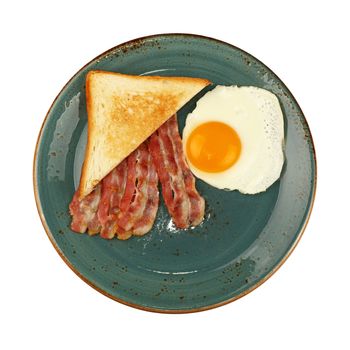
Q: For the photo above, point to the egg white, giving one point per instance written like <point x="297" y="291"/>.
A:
<point x="256" y="116"/>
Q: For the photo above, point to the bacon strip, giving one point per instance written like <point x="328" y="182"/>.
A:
<point x="174" y="190"/>
<point x="113" y="186"/>
<point x="130" y="181"/>
<point x="145" y="222"/>
<point x="184" y="204"/>
<point x="138" y="188"/>
<point x="197" y="202"/>
<point x="84" y="212"/>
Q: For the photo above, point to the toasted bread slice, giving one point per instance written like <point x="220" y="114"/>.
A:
<point x="123" y="111"/>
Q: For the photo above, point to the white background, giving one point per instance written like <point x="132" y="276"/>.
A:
<point x="43" y="305"/>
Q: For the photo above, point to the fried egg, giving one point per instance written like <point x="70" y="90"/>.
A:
<point x="234" y="139"/>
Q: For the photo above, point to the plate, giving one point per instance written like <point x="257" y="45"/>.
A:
<point x="243" y="240"/>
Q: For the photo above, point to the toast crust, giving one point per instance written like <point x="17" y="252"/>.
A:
<point x="123" y="111"/>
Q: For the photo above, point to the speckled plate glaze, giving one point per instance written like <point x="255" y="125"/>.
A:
<point x="243" y="239"/>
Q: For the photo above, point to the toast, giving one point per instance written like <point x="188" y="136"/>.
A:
<point x="123" y="111"/>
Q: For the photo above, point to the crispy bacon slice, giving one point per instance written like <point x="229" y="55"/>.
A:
<point x="197" y="202"/>
<point x="84" y="212"/>
<point x="136" y="190"/>
<point x="113" y="186"/>
<point x="184" y="203"/>
<point x="145" y="222"/>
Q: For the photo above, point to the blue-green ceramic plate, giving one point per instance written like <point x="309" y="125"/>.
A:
<point x="243" y="239"/>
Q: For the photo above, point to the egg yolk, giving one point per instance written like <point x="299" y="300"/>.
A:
<point x="213" y="147"/>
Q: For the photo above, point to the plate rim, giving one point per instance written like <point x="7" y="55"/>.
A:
<point x="136" y="42"/>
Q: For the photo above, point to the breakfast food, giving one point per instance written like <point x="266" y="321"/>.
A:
<point x="233" y="139"/>
<point x="118" y="192"/>
<point x="123" y="111"/>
